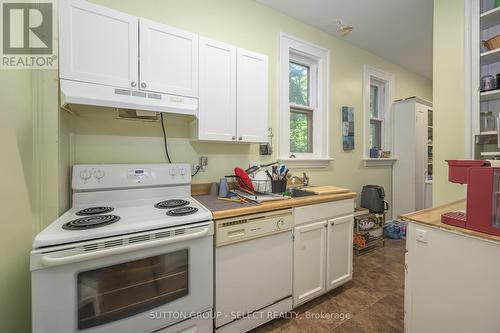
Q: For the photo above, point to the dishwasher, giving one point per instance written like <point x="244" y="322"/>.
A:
<point x="253" y="270"/>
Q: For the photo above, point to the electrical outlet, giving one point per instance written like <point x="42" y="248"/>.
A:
<point x="204" y="163"/>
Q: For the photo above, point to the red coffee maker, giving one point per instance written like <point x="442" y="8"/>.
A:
<point x="483" y="196"/>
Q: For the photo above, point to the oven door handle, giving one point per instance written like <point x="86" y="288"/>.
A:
<point x="49" y="260"/>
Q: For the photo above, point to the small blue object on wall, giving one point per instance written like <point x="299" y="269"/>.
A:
<point x="348" y="127"/>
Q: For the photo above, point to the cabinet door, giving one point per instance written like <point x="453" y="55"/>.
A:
<point x="309" y="262"/>
<point x="97" y="44"/>
<point x="421" y="130"/>
<point x="168" y="59"/>
<point x="339" y="254"/>
<point x="252" y="96"/>
<point x="217" y="103"/>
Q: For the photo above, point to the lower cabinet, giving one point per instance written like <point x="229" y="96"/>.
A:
<point x="339" y="251"/>
<point x="309" y="261"/>
<point x="322" y="250"/>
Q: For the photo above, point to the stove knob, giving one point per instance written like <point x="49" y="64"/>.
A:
<point x="85" y="174"/>
<point x="98" y="174"/>
<point x="173" y="172"/>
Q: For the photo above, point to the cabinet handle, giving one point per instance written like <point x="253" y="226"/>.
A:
<point x="143" y="85"/>
<point x="332" y="223"/>
<point x="133" y="84"/>
<point x="240" y="138"/>
<point x="234" y="138"/>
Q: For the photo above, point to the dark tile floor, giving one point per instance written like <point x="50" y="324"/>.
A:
<point x="371" y="302"/>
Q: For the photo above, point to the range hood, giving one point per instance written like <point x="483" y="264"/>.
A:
<point x="75" y="92"/>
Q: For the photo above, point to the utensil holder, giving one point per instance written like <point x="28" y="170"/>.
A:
<point x="278" y="186"/>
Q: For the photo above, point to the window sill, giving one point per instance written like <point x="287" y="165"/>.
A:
<point x="301" y="163"/>
<point x="379" y="161"/>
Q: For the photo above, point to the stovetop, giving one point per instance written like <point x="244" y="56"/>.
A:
<point x="86" y="222"/>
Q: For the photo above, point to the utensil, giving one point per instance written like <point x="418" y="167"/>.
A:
<point x="275" y="172"/>
<point x="269" y="174"/>
<point x="228" y="199"/>
<point x="281" y="169"/>
<point x="242" y="198"/>
<point x="254" y="168"/>
<point x="243" y="179"/>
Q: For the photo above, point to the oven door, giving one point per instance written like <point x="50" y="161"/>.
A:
<point x="137" y="289"/>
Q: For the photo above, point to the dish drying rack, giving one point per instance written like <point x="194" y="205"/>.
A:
<point x="263" y="189"/>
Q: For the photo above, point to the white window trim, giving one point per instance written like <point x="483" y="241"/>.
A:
<point x="389" y="80"/>
<point x="321" y="139"/>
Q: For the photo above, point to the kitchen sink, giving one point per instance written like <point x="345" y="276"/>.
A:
<point x="297" y="193"/>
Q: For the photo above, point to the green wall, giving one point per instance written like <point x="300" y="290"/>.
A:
<point x="449" y="100"/>
<point x="16" y="197"/>
<point x="39" y="143"/>
<point x="29" y="196"/>
<point x="99" y="137"/>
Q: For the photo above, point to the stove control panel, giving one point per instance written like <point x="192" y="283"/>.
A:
<point x="113" y="176"/>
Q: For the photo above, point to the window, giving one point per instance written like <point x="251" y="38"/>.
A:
<point x="298" y="82"/>
<point x="304" y="73"/>
<point x="377" y="112"/>
<point x="301" y="107"/>
<point x="377" y="92"/>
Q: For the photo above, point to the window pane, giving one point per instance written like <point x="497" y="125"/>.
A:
<point x="373" y="102"/>
<point x="301" y="131"/>
<point x="375" y="134"/>
<point x="298" y="83"/>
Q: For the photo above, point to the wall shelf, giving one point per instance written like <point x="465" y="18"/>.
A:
<point x="490" y="95"/>
<point x="490" y="18"/>
<point x="490" y="57"/>
<point x="488" y="133"/>
<point x="490" y="153"/>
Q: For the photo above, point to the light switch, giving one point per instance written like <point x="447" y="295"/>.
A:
<point x="421" y="235"/>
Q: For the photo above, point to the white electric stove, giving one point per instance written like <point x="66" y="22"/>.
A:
<point x="133" y="254"/>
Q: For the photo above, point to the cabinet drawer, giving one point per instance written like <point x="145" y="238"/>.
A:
<point x="323" y="211"/>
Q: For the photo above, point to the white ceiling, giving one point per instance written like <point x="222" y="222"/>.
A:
<point x="398" y="30"/>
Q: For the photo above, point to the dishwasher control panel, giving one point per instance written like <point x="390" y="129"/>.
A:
<point x="242" y="228"/>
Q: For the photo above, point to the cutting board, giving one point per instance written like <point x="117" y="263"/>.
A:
<point x="326" y="190"/>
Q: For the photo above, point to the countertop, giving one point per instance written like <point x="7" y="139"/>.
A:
<point x="275" y="204"/>
<point x="432" y="217"/>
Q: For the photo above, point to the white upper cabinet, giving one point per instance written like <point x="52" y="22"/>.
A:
<point x="98" y="45"/>
<point x="217" y="104"/>
<point x="233" y="94"/>
<point x="252" y="96"/>
<point x="168" y="59"/>
<point x="339" y="251"/>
